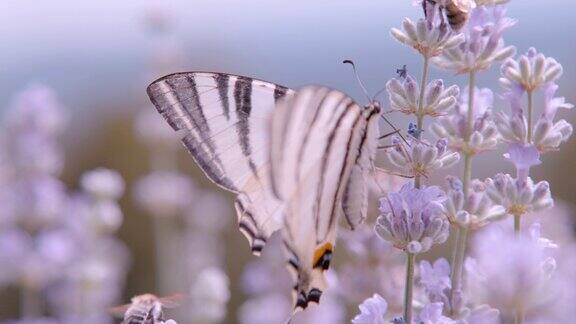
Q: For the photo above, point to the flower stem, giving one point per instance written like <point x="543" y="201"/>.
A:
<point x="30" y="302"/>
<point x="517" y="224"/>
<point x="529" y="133"/>
<point x="420" y="112"/>
<point x="518" y="316"/>
<point x="462" y="238"/>
<point x="409" y="287"/>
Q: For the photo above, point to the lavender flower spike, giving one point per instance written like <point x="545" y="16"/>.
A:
<point x="413" y="218"/>
<point x="473" y="211"/>
<point x="430" y="37"/>
<point x="372" y="311"/>
<point x="483" y="44"/>
<point x="453" y="128"/>
<point x="432" y="314"/>
<point x="404" y="96"/>
<point x="420" y="157"/>
<point x="529" y="72"/>
<point x="519" y="196"/>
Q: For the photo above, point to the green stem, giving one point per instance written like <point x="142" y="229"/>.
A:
<point x="420" y="112"/>
<point x="409" y="287"/>
<point x="529" y="135"/>
<point x="462" y="238"/>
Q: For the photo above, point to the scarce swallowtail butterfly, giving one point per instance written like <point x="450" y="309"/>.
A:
<point x="296" y="159"/>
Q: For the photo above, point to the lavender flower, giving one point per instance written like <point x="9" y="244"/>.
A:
<point x="103" y="183"/>
<point x="523" y="157"/>
<point x="454" y="127"/>
<point x="372" y="311"/>
<point x="270" y="308"/>
<point x="519" y="196"/>
<point x="37" y="109"/>
<point x="371" y="259"/>
<point x="435" y="279"/>
<point x="209" y="295"/>
<point x="509" y="272"/>
<point x="432" y="314"/>
<point x="482" y="42"/>
<point x="419" y="158"/>
<point x="430" y="37"/>
<point x="404" y="96"/>
<point x="412" y="219"/>
<point x="529" y="72"/>
<point x="473" y="211"/>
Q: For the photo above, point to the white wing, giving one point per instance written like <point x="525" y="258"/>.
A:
<point x="224" y="121"/>
<point x="318" y="136"/>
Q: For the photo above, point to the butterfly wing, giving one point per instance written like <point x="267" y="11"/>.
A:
<point x="223" y="120"/>
<point x="316" y="139"/>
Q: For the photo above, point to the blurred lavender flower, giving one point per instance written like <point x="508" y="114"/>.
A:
<point x="473" y="211"/>
<point x="435" y="279"/>
<point x="518" y="196"/>
<point x="483" y="314"/>
<point x="371" y="259"/>
<point x="37" y="109"/>
<point x="430" y="37"/>
<point x="412" y="219"/>
<point x="509" y="272"/>
<point x="209" y="295"/>
<point x="103" y="183"/>
<point x="404" y="95"/>
<point x="269" y="308"/>
<point x="420" y="158"/>
<point x="482" y="43"/>
<point x="164" y="193"/>
<point x="432" y="314"/>
<point x="372" y="311"/>
<point x="453" y="127"/>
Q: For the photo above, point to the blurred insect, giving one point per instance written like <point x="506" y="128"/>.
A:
<point x="146" y="309"/>
<point x="414" y="131"/>
<point x="457" y="11"/>
<point x="403" y="72"/>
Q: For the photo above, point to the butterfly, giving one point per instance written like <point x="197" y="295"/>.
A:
<point x="296" y="159"/>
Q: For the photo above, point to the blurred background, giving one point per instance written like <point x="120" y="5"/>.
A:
<point x="93" y="61"/>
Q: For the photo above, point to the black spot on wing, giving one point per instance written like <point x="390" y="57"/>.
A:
<point x="279" y="92"/>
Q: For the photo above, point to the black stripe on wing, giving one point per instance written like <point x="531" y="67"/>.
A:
<point x="243" y="101"/>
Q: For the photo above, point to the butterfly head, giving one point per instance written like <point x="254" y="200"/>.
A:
<point x="373" y="107"/>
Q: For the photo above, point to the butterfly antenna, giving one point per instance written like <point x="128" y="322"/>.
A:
<point x="358" y="78"/>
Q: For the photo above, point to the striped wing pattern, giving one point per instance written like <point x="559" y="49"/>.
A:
<point x="224" y="123"/>
<point x="296" y="160"/>
<point x="318" y="137"/>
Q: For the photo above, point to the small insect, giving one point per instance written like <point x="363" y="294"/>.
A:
<point x="414" y="131"/>
<point x="403" y="72"/>
<point x="146" y="309"/>
<point x="457" y="11"/>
